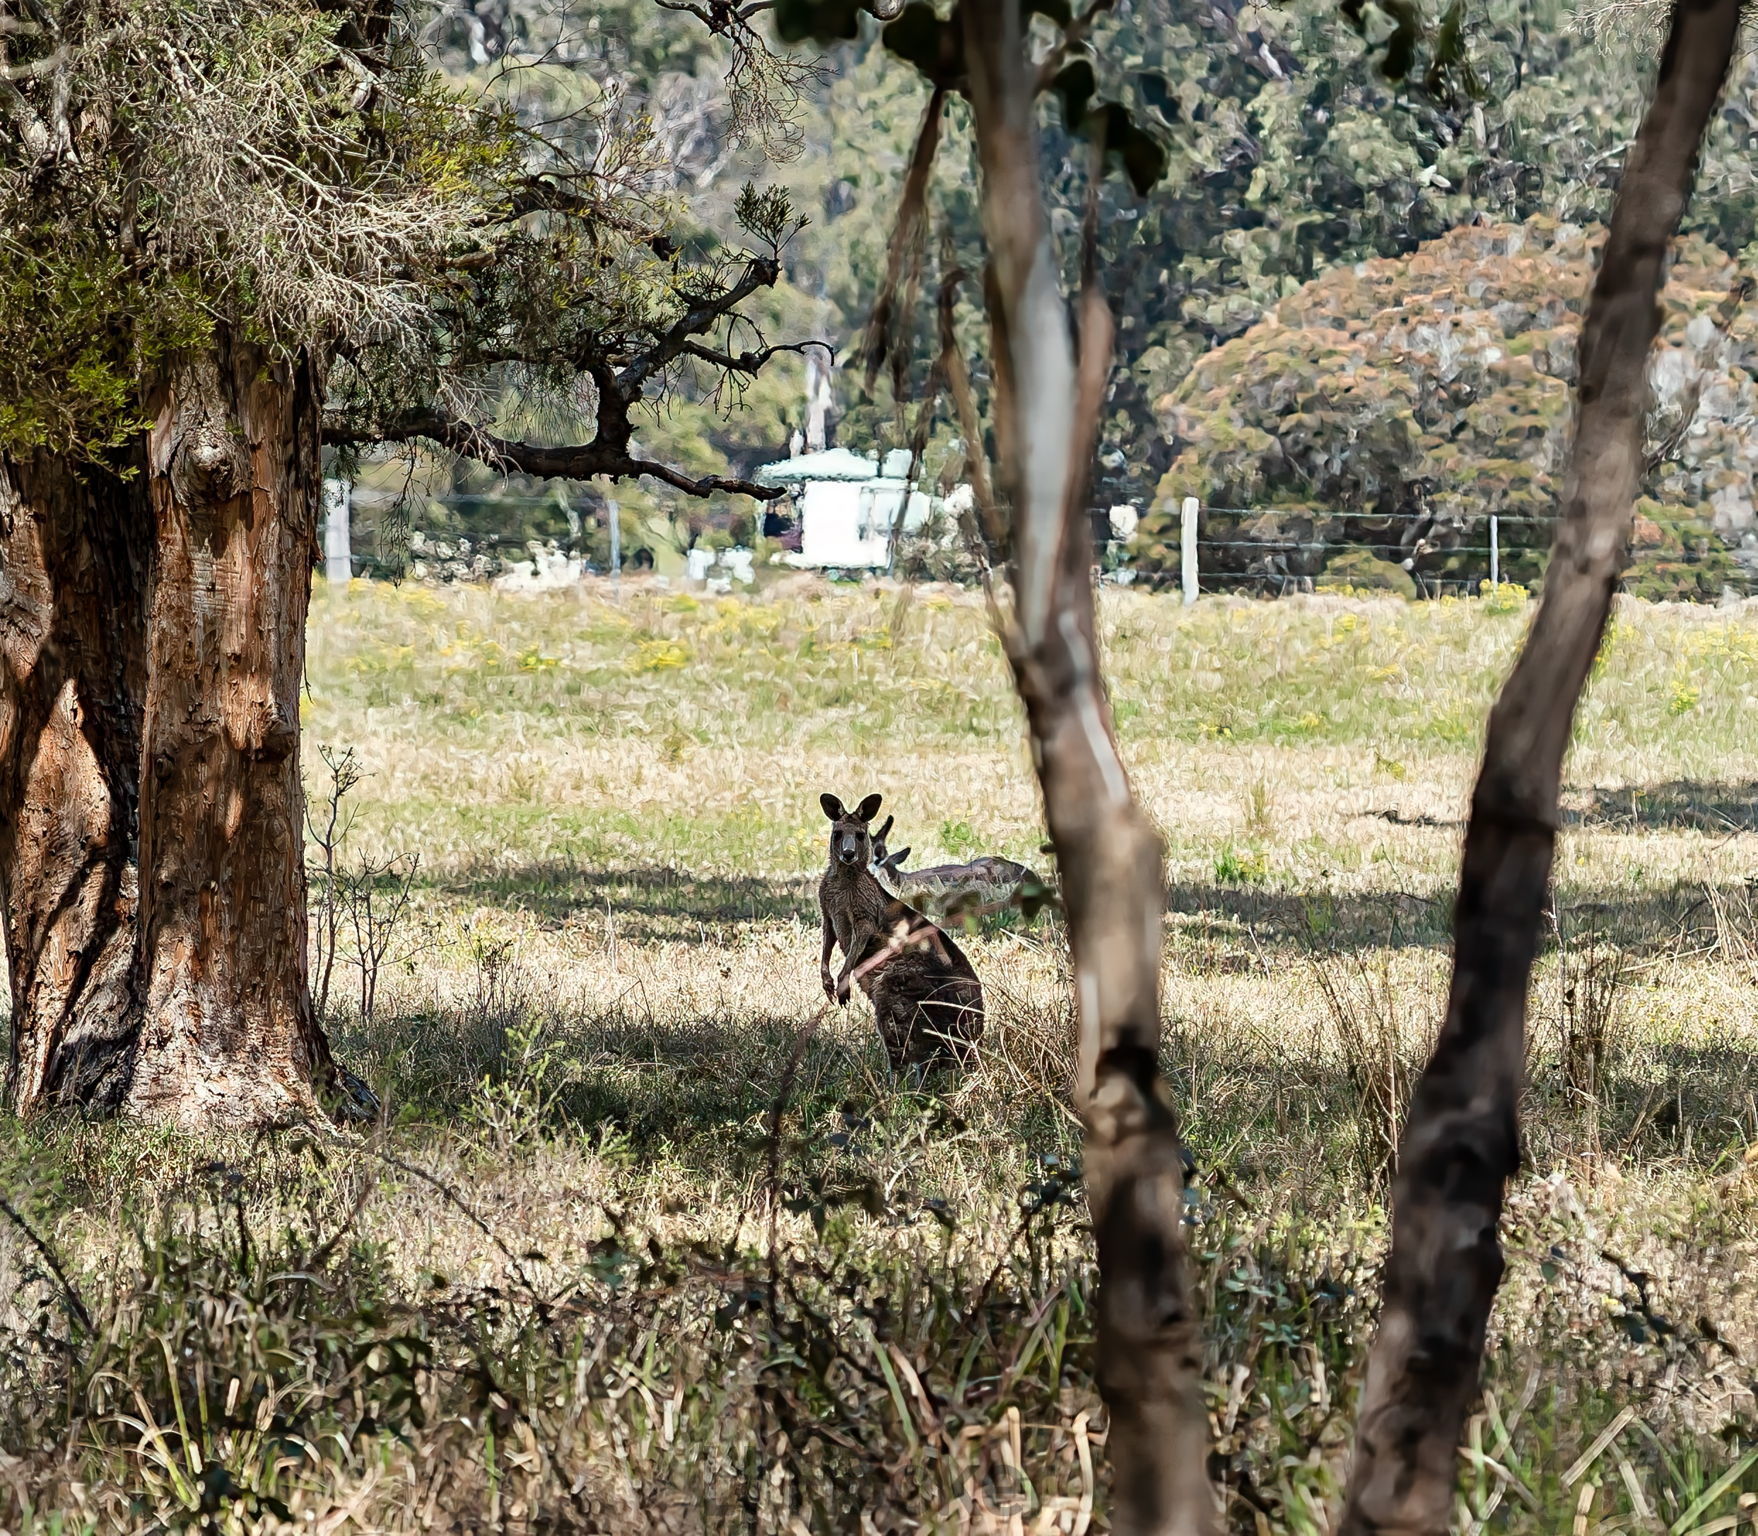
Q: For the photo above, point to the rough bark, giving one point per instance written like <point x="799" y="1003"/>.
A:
<point x="1048" y="402"/>
<point x="1461" y="1141"/>
<point x="74" y="555"/>
<point x="229" y="1036"/>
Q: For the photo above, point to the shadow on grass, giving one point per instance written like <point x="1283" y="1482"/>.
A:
<point x="1238" y="925"/>
<point x="653" y="901"/>
<point x="1683" y="805"/>
<point x="1268" y="1122"/>
<point x="698" y="1091"/>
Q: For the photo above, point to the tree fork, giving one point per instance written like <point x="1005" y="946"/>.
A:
<point x="1461" y="1139"/>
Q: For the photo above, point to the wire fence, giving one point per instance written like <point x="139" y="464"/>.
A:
<point x="1276" y="551"/>
<point x="1287" y="551"/>
<point x="381" y="534"/>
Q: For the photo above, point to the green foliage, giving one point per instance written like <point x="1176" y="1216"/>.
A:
<point x="769" y="215"/>
<point x="1289" y="152"/>
<point x="958" y="839"/>
<point x="75" y="336"/>
<point x="1110" y="124"/>
<point x="1240" y="866"/>
<point x="196" y="163"/>
<point x="934" y="46"/>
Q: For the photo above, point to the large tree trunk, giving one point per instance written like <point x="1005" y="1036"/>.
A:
<point x="1461" y="1143"/>
<point x="1049" y="401"/>
<point x="75" y="545"/>
<point x="229" y="1036"/>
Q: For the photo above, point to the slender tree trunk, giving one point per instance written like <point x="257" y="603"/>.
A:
<point x="1049" y="400"/>
<point x="75" y="544"/>
<point x="1461" y="1142"/>
<point x="229" y="1034"/>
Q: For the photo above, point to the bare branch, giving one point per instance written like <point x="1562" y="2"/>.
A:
<point x="749" y="361"/>
<point x="1461" y="1141"/>
<point x="906" y="241"/>
<point x="760" y="272"/>
<point x="580" y="462"/>
<point x="67" y="53"/>
<point x="541" y="194"/>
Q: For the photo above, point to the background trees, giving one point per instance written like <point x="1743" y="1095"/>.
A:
<point x="1289" y="154"/>
<point x="1397" y="403"/>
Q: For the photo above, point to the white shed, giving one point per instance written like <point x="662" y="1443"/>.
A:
<point x="849" y="506"/>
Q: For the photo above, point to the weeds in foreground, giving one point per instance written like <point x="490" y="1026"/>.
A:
<point x="360" y="904"/>
<point x="253" y="1358"/>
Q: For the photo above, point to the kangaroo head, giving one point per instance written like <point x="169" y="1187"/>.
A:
<point x="886" y="862"/>
<point x="851" y="844"/>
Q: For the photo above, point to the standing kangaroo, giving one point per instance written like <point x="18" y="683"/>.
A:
<point x="925" y="992"/>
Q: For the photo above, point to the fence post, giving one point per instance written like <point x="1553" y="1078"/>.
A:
<point x="615" y="514"/>
<point x="338" y="539"/>
<point x="1189" y="549"/>
<point x="1495" y="555"/>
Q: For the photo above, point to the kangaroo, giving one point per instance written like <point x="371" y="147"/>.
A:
<point x="986" y="879"/>
<point x="885" y="864"/>
<point x="925" y="992"/>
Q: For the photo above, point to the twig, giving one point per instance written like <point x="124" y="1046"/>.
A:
<point x="77" y="1306"/>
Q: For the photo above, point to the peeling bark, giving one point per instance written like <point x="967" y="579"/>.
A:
<point x="74" y="551"/>
<point x="1049" y="399"/>
<point x="1461" y="1141"/>
<point x="229" y="1036"/>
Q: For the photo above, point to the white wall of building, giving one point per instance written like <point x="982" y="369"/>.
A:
<point x="846" y="524"/>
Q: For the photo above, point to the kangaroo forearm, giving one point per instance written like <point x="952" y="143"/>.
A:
<point x="860" y="941"/>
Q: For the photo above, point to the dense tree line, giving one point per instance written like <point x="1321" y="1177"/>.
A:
<point x="1289" y="153"/>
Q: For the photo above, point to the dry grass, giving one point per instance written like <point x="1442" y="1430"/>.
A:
<point x="553" y="1292"/>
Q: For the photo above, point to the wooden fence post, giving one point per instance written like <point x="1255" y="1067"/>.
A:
<point x="1189" y="549"/>
<point x="338" y="538"/>
<point x="1495" y="555"/>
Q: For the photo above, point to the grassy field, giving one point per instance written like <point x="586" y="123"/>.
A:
<point x="648" y="1241"/>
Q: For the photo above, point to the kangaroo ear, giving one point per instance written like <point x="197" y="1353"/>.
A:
<point x="868" y="808"/>
<point x="896" y="860"/>
<point x="885" y="831"/>
<point x="832" y="807"/>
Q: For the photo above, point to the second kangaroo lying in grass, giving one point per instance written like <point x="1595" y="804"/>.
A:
<point x="925" y="992"/>
<point x="983" y="884"/>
